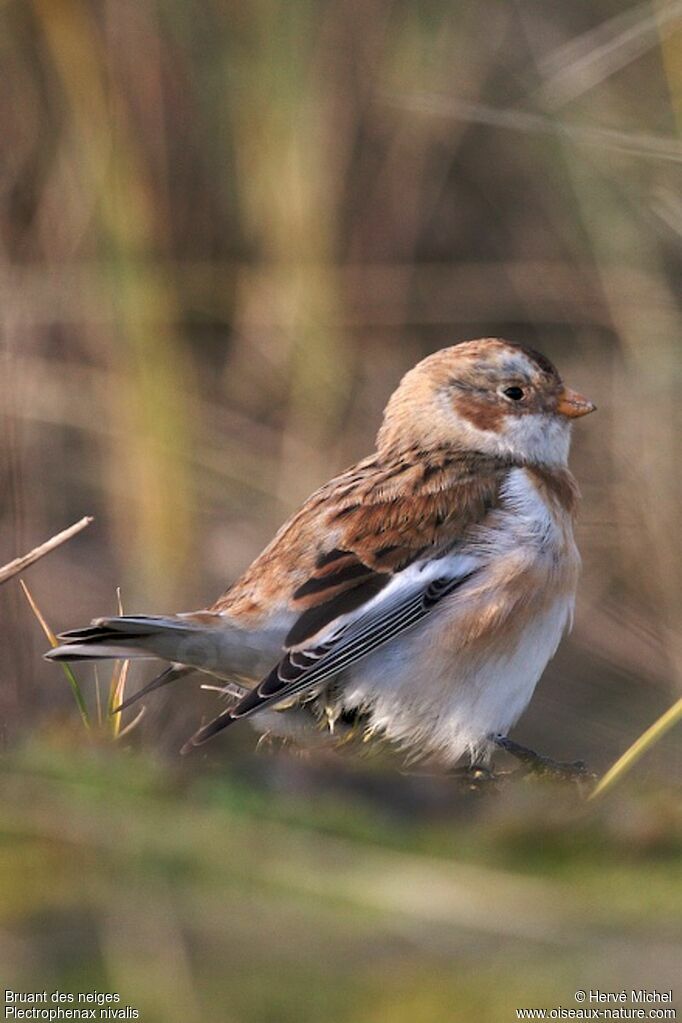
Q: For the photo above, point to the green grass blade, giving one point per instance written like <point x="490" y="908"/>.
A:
<point x="646" y="740"/>
<point x="53" y="641"/>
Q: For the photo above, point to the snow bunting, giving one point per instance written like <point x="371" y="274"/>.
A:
<point x="420" y="592"/>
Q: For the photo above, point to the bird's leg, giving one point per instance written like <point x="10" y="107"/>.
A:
<point x="536" y="763"/>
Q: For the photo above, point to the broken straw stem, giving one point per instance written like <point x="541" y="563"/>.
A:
<point x="19" y="564"/>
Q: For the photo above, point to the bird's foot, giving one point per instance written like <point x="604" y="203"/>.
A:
<point x="477" y="779"/>
<point x="543" y="766"/>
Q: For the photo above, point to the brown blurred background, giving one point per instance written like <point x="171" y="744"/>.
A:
<point x="227" y="229"/>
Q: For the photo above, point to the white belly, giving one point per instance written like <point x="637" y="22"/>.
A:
<point x="432" y="703"/>
<point x="445" y="687"/>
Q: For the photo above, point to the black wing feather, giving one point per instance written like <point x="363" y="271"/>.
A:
<point x="300" y="671"/>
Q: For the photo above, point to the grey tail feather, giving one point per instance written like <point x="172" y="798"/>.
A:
<point x="110" y="637"/>
<point x="132" y="624"/>
<point x="95" y="652"/>
<point x="121" y="627"/>
<point x="169" y="674"/>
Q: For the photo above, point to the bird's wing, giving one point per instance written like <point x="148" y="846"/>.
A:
<point x="408" y="600"/>
<point x="354" y="535"/>
<point x="368" y="557"/>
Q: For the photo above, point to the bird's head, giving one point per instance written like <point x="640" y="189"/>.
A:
<point x="490" y="396"/>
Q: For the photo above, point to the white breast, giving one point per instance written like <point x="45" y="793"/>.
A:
<point x="441" y="689"/>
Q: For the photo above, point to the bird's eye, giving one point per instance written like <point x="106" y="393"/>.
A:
<point x="515" y="393"/>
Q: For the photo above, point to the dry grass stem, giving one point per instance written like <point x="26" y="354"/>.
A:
<point x="13" y="568"/>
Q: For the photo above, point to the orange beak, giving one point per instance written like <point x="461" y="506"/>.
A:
<point x="573" y="405"/>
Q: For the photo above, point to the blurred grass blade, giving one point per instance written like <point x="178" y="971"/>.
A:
<point x="117" y="686"/>
<point x="116" y="692"/>
<point x="13" y="568"/>
<point x="131" y="724"/>
<point x="648" y="739"/>
<point x="98" y="697"/>
<point x="53" y="641"/>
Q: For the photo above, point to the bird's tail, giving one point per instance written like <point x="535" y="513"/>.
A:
<point x="204" y="640"/>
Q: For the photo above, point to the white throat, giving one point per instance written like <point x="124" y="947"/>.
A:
<point x="537" y="439"/>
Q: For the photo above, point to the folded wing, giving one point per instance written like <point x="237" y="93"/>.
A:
<point x="301" y="671"/>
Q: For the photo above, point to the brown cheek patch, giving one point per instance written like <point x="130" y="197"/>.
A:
<point x="482" y="414"/>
